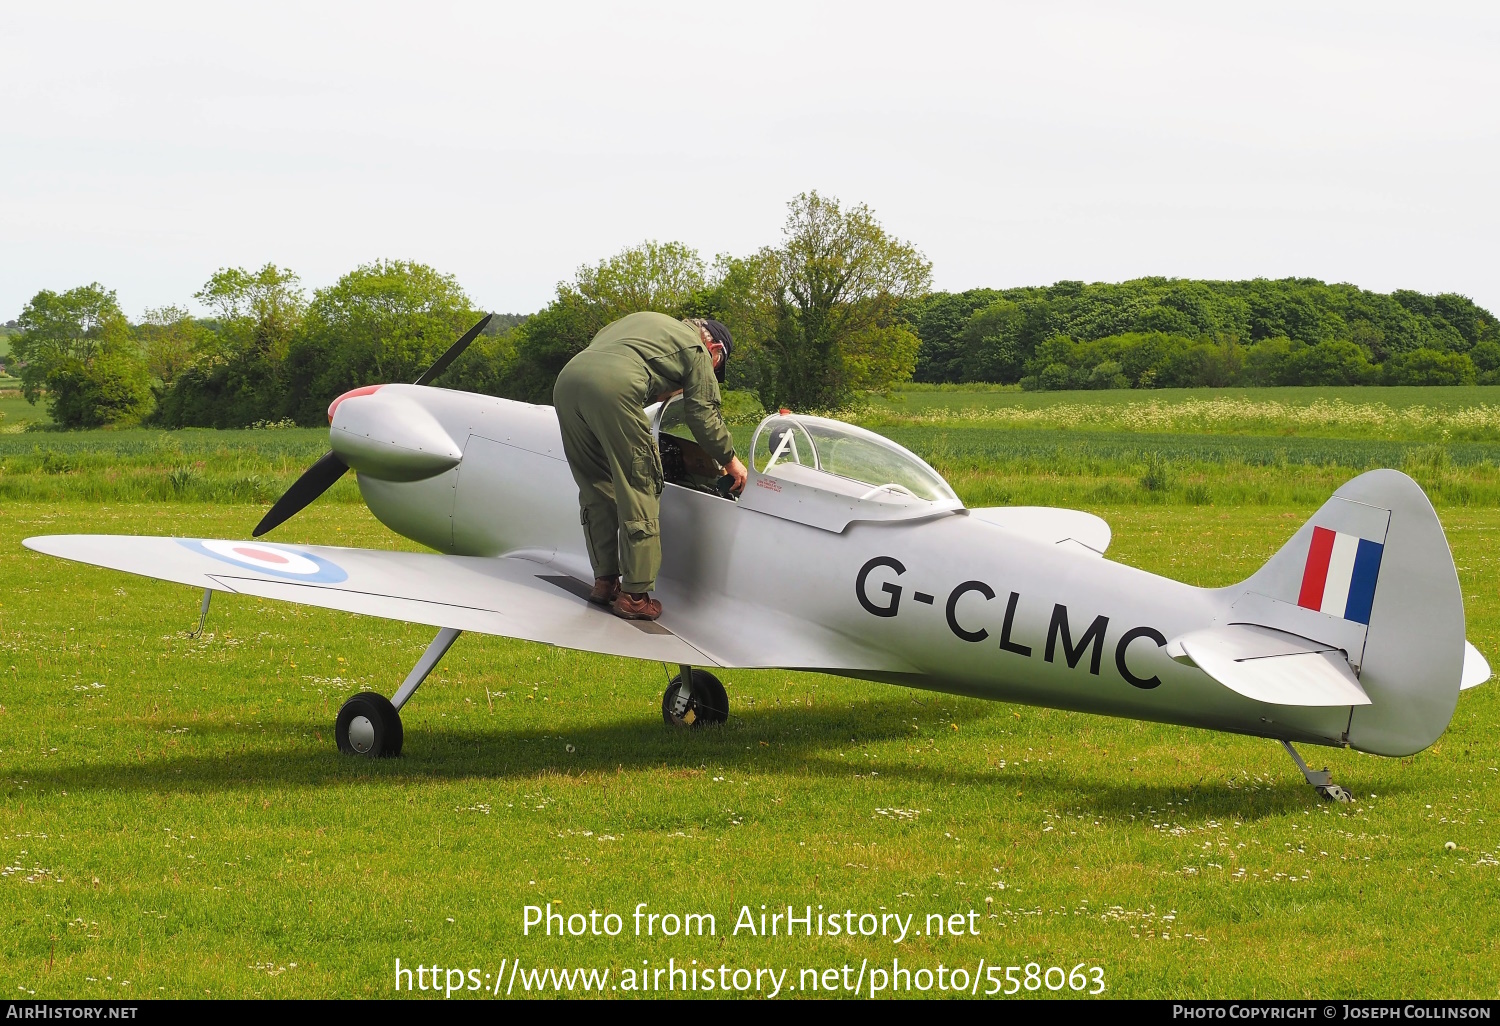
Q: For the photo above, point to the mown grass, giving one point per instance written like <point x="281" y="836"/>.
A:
<point x="173" y="813"/>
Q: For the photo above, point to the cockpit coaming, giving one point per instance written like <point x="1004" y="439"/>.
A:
<point x="811" y="470"/>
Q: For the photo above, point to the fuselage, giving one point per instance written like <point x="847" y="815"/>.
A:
<point x="945" y="602"/>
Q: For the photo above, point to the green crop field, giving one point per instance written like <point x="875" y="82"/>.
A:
<point x="916" y="399"/>
<point x="175" y="820"/>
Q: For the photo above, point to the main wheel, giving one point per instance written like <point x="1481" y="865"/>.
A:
<point x="707" y="703"/>
<point x="368" y="725"/>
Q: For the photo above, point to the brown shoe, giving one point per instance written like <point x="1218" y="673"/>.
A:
<point x="637" y="607"/>
<point x="606" y="590"/>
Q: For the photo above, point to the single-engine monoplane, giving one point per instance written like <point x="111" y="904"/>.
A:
<point x="847" y="554"/>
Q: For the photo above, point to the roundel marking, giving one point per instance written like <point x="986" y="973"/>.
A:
<point x="261" y="554"/>
<point x="287" y="563"/>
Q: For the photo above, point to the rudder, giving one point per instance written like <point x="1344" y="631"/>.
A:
<point x="1371" y="573"/>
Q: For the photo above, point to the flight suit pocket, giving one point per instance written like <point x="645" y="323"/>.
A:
<point x="648" y="473"/>
<point x="640" y="530"/>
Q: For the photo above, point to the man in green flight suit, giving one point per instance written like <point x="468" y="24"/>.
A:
<point x="600" y="398"/>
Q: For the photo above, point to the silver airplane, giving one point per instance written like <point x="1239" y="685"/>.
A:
<point x="849" y="555"/>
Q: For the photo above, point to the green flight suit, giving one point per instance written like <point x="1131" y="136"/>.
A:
<point x="600" y="398"/>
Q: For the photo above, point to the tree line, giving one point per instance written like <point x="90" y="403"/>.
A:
<point x="1174" y="333"/>
<point x="837" y="309"/>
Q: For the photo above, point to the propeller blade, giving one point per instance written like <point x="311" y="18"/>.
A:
<point x="320" y="477"/>
<point x="454" y="352"/>
<point x="315" y="480"/>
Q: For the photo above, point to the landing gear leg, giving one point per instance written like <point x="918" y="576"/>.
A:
<point x="694" y="698"/>
<point x="370" y="724"/>
<point x="435" y="651"/>
<point x="1321" y="780"/>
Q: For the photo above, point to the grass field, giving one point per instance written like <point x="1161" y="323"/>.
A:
<point x="989" y="465"/>
<point x="15" y="412"/>
<point x="175" y="819"/>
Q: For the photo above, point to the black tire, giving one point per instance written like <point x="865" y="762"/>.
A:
<point x="709" y="703"/>
<point x="375" y="724"/>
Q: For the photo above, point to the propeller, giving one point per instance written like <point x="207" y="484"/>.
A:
<point x="322" y="475"/>
<point x="453" y="353"/>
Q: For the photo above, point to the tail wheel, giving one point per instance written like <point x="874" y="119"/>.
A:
<point x="706" y="703"/>
<point x="369" y="725"/>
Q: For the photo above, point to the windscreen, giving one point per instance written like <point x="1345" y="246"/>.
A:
<point x="891" y="473"/>
<point x="674" y="419"/>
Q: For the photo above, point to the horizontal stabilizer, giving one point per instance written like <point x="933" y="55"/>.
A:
<point x="1271" y="666"/>
<point x="1476" y="668"/>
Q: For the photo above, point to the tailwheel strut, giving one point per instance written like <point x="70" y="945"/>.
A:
<point x="694" y="698"/>
<point x="1321" y="780"/>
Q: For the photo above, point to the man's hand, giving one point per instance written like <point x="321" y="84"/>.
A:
<point x="737" y="470"/>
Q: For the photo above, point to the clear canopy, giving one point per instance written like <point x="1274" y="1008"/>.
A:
<point x="840" y="457"/>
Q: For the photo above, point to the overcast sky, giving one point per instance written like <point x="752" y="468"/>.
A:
<point x="145" y="145"/>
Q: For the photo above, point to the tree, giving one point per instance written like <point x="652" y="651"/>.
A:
<point x="75" y="347"/>
<point x="1303" y="311"/>
<point x="655" y="275"/>
<point x="238" y="373"/>
<point x="258" y="312"/>
<point x="831" y="296"/>
<point x="878" y="357"/>
<point x="484" y="365"/>
<point x="942" y="324"/>
<point x="112" y="388"/>
<point x="668" y="277"/>
<point x="1334" y="363"/>
<point x="1202" y="364"/>
<point x="171" y="341"/>
<point x="1486" y="359"/>
<point x="78" y="324"/>
<point x="1429" y="367"/>
<point x="1272" y="361"/>
<point x="384" y="321"/>
<point x="991" y="343"/>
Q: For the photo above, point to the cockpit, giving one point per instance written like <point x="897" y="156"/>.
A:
<point x="812" y="470"/>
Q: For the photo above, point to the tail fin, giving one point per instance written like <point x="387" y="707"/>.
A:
<point x="1371" y="574"/>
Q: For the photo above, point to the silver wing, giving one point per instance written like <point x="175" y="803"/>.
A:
<point x="513" y="598"/>
<point x="505" y="596"/>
